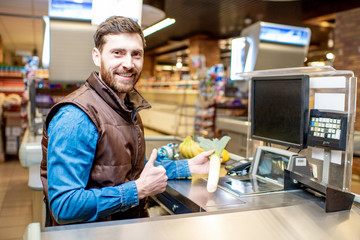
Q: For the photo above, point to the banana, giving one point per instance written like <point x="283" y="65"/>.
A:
<point x="189" y="148"/>
<point x="181" y="146"/>
<point x="184" y="147"/>
<point x="196" y="149"/>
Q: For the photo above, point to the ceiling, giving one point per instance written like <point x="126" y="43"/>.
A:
<point x="21" y="24"/>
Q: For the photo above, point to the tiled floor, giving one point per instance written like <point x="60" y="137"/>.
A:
<point x="15" y="197"/>
<point x="15" y="200"/>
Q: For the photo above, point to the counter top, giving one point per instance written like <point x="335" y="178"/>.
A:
<point x="34" y="178"/>
<point x="193" y="194"/>
<point x="305" y="220"/>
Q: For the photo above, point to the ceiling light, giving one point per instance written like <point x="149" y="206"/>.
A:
<point x="330" y="56"/>
<point x="317" y="64"/>
<point x="179" y="64"/>
<point x="325" y="24"/>
<point x="160" y="25"/>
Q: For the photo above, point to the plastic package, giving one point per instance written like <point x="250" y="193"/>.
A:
<point x="170" y="151"/>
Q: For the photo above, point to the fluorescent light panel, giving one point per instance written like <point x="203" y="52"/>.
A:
<point x="158" y="26"/>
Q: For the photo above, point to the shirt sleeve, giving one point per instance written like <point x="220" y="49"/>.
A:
<point x="175" y="169"/>
<point x="71" y="149"/>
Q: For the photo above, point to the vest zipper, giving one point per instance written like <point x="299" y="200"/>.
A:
<point x="133" y="114"/>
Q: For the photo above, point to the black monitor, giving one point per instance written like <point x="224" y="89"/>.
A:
<point x="279" y="109"/>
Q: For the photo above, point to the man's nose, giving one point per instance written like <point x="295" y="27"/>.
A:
<point x="128" y="62"/>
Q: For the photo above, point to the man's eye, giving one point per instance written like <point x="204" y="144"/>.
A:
<point x="118" y="52"/>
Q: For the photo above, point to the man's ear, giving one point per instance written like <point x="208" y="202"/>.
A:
<point x="96" y="57"/>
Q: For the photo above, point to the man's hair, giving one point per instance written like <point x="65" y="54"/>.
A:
<point x="116" y="25"/>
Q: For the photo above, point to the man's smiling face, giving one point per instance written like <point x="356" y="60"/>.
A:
<point x="121" y="61"/>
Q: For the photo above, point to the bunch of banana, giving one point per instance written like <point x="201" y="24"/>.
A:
<point x="189" y="148"/>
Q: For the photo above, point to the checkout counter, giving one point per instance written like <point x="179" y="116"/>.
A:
<point x="258" y="205"/>
<point x="224" y="214"/>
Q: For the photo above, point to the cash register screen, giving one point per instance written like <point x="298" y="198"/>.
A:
<point x="280" y="107"/>
<point x="272" y="165"/>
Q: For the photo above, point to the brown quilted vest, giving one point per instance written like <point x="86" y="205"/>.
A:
<point x="120" y="150"/>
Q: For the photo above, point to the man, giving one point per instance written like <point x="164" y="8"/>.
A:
<point x="93" y="144"/>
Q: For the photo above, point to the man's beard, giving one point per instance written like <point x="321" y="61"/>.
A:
<point x="120" y="87"/>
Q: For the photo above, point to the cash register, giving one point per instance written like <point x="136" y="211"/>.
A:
<point x="280" y="114"/>
<point x="279" y="109"/>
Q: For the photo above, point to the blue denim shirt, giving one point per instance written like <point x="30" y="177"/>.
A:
<point x="72" y="144"/>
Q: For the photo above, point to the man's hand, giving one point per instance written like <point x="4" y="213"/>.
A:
<point x="200" y="163"/>
<point x="152" y="180"/>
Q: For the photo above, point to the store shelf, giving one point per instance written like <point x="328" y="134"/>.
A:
<point x="12" y="84"/>
<point x="170" y="91"/>
<point x="57" y="92"/>
<point x="203" y="116"/>
<point x="204" y="119"/>
<point x="12" y="89"/>
<point x="15" y="75"/>
<point x="169" y="83"/>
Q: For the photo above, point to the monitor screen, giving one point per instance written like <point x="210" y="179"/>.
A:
<point x="279" y="109"/>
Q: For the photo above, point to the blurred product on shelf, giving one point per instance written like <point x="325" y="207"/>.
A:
<point x="205" y="107"/>
<point x="12" y="122"/>
<point x="11" y="71"/>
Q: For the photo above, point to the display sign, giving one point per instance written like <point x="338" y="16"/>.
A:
<point x="70" y="9"/>
<point x="284" y="34"/>
<point x="95" y="10"/>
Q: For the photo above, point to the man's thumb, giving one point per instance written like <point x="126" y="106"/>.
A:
<point x="153" y="157"/>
